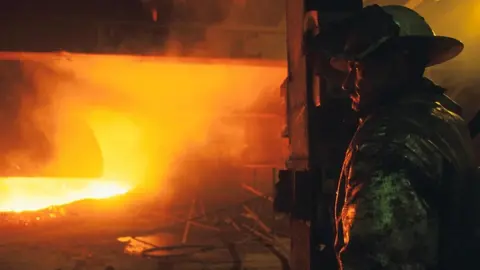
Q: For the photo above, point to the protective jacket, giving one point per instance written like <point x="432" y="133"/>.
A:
<point x="404" y="198"/>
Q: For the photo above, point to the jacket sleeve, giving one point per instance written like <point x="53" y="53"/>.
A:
<point x="383" y="218"/>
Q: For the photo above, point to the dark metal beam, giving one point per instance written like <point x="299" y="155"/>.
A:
<point x="312" y="237"/>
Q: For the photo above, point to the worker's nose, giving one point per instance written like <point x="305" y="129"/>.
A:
<point x="349" y="82"/>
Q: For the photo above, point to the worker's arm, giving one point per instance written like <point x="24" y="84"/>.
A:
<point x="388" y="221"/>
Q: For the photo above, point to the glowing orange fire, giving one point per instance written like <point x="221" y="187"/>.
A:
<point x="144" y="112"/>
<point x="26" y="194"/>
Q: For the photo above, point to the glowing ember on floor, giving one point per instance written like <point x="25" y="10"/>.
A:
<point x="28" y="194"/>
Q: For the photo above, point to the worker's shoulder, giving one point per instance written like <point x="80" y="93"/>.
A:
<point x="418" y="128"/>
<point x="394" y="141"/>
<point x="420" y="116"/>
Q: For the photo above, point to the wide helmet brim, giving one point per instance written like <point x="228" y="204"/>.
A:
<point x="439" y="49"/>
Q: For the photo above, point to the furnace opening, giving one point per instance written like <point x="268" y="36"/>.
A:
<point x="112" y="124"/>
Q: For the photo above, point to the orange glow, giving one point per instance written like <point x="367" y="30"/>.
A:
<point x="27" y="194"/>
<point x="145" y="112"/>
<point x="154" y="14"/>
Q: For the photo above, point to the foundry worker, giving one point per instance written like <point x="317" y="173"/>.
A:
<point x="404" y="196"/>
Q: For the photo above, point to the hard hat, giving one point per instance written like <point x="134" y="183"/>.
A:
<point x="376" y="26"/>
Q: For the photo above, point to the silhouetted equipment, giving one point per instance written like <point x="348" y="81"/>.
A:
<point x="319" y="128"/>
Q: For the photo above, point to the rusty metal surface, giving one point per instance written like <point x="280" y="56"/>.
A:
<point x="296" y="87"/>
<point x="300" y="256"/>
<point x="223" y="41"/>
<point x="252" y="29"/>
<point x="145" y="38"/>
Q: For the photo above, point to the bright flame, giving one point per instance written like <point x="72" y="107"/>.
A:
<point x="28" y="194"/>
<point x="145" y="112"/>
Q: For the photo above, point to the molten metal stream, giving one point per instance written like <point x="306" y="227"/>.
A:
<point x="145" y="112"/>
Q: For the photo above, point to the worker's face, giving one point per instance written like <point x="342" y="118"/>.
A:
<point x="369" y="79"/>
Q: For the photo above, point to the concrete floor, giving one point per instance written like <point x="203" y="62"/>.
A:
<point x="90" y="241"/>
